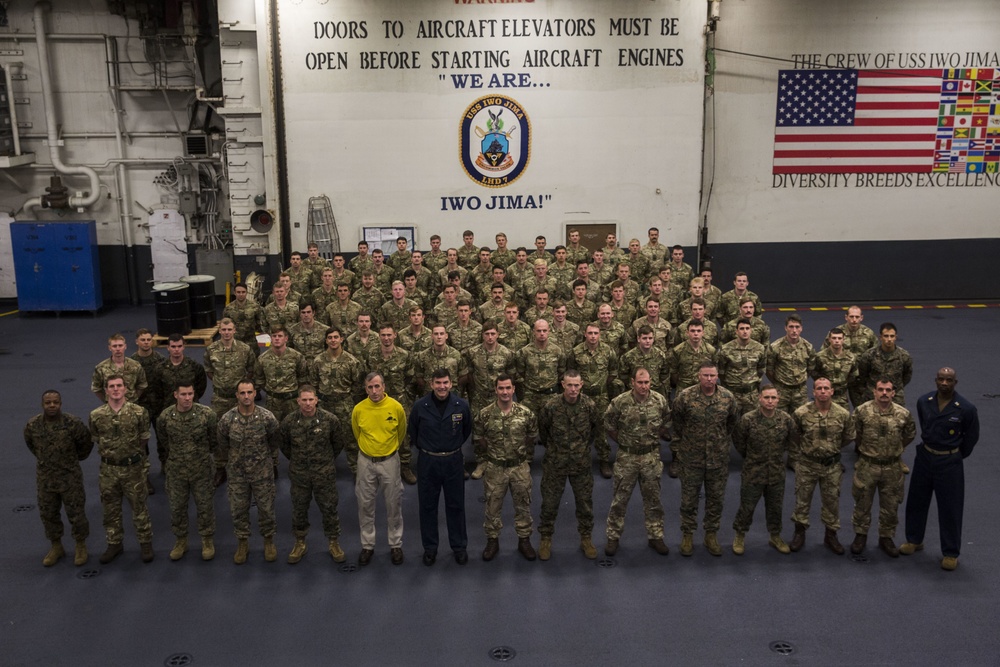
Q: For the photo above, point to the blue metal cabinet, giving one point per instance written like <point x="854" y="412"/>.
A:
<point x="56" y="265"/>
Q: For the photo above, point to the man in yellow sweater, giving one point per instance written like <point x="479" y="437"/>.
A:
<point x="379" y="425"/>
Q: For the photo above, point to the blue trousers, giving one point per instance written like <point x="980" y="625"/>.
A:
<point x="434" y="475"/>
<point x="944" y="478"/>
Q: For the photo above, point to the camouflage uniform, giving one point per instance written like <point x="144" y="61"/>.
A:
<point x="428" y="361"/>
<point x="505" y="439"/>
<point x="151" y="398"/>
<point x="661" y="332"/>
<point x="339" y="383"/>
<point x="370" y="300"/>
<point x="132" y="372"/>
<point x="680" y="274"/>
<point x="565" y="430"/>
<point x="513" y="337"/>
<point x="577" y="254"/>
<point x="435" y="262"/>
<point x="397" y="372"/>
<point x="280" y="377"/>
<point x="442" y="275"/>
<point x="311" y="444"/>
<point x="657" y="254"/>
<point x="250" y="444"/>
<point x="478" y="279"/>
<point x="247" y="318"/>
<point x="729" y="305"/>
<point x="274" y="317"/>
<point x="683" y="363"/>
<point x="614" y="337"/>
<point x="360" y="350"/>
<point x="762" y="442"/>
<point x="543" y="255"/>
<point x="563" y="276"/>
<point x="821" y="437"/>
<point x="788" y="367"/>
<point x="623" y="314"/>
<point x="612" y="256"/>
<point x="308" y="342"/>
<point x="189" y="439"/>
<point x="501" y="259"/>
<point x="397" y="316"/>
<point x="359" y="264"/>
<point x="538" y="372"/>
<point x="468" y="257"/>
<point x="841" y="371"/>
<point x="740" y="369"/>
<point x="599" y="372"/>
<point x="344" y="317"/>
<point x="759" y="331"/>
<point x="532" y="315"/>
<point x="399" y="261"/>
<point x="639" y="267"/>
<point x="384" y="278"/>
<point x="188" y="372"/>
<point x="227" y="368"/>
<point x="303" y="279"/>
<point x="654" y="361"/>
<point x="896" y="365"/>
<point x="532" y="284"/>
<point x="703" y="426"/>
<point x="603" y="275"/>
<point x="639" y="427"/>
<point x="413" y="344"/>
<point x="484" y="368"/>
<point x="566" y="338"/>
<point x="583" y="315"/>
<point x="462" y="338"/>
<point x="857" y="343"/>
<point x="348" y="278"/>
<point x="516" y="275"/>
<point x="121" y="443"/>
<point x="882" y="436"/>
<point x="491" y="311"/>
<point x="632" y="293"/>
<point x="445" y="314"/>
<point x="58" y="446"/>
<point x="680" y="332"/>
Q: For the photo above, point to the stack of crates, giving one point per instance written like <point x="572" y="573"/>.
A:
<point x="6" y="119"/>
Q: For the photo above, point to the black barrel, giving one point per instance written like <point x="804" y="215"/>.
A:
<point x="202" y="299"/>
<point x="173" y="312"/>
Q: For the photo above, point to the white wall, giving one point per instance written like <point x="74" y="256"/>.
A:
<point x="607" y="142"/>
<point x="749" y="204"/>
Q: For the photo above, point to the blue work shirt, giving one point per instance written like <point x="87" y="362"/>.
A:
<point x="432" y="431"/>
<point x="957" y="426"/>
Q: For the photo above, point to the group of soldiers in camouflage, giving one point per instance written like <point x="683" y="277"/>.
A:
<point x="593" y="344"/>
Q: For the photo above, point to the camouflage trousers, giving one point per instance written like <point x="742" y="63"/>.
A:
<point x="807" y="475"/>
<point x="321" y="485"/>
<point x="246" y="482"/>
<point x="63" y="490"/>
<point x="128" y="482"/>
<point x="790" y="399"/>
<point x="496" y="480"/>
<point x="601" y="445"/>
<point x="533" y="400"/>
<point x="345" y="435"/>
<point x="478" y="402"/>
<point x="645" y="469"/>
<point x="281" y="408"/>
<point x="693" y="478"/>
<point x="750" y="495"/>
<point x="183" y="482"/>
<point x="581" y="480"/>
<point x="154" y="412"/>
<point x="405" y="451"/>
<point x="888" y="480"/>
<point x="747" y="401"/>
<point x="220" y="406"/>
<point x="856" y="393"/>
<point x="840" y="397"/>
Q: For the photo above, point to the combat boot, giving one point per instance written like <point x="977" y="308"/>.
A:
<point x="779" y="543"/>
<point x="298" y="551"/>
<point x="712" y="544"/>
<point x="220" y="477"/>
<point x="242" y="550"/>
<point x="606" y="471"/>
<point x="207" y="548"/>
<point x="611" y="548"/>
<point x="687" y="544"/>
<point x="858" y="545"/>
<point x="587" y="547"/>
<point x="478" y="472"/>
<point x="799" y="538"/>
<point x="146" y="551"/>
<point x="336" y="552"/>
<point x="80" y="557"/>
<point x="909" y="548"/>
<point x="180" y="548"/>
<point x="407" y="475"/>
<point x="738" y="546"/>
<point x="524" y="546"/>
<point x="888" y="546"/>
<point x="672" y="471"/>
<point x="545" y="548"/>
<point x="54" y="554"/>
<point x="832" y="542"/>
<point x="270" y="551"/>
<point x="492" y="548"/>
<point x="658" y="545"/>
<point x="112" y="552"/>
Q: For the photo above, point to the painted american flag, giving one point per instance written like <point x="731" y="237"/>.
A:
<point x="861" y="121"/>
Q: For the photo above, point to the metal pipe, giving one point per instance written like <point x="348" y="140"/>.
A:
<point x="124" y="196"/>
<point x="50" y="116"/>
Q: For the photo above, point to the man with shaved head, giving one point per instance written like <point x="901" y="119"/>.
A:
<point x="949" y="429"/>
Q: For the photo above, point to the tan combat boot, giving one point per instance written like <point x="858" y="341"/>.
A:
<point x="478" y="472"/>
<point x="738" y="546"/>
<point x="80" y="556"/>
<point x="242" y="549"/>
<point x="587" y="547"/>
<point x="55" y="553"/>
<point x="336" y="552"/>
<point x="270" y="551"/>
<point x="298" y="551"/>
<point x="545" y="548"/>
<point x="180" y="548"/>
<point x="712" y="544"/>
<point x="780" y="545"/>
<point x="687" y="544"/>
<point x="207" y="548"/>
